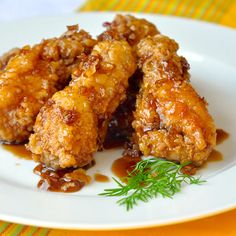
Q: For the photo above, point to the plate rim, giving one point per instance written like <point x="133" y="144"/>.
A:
<point x="86" y="227"/>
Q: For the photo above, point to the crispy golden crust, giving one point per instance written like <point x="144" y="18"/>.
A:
<point x="97" y="88"/>
<point x="32" y="76"/>
<point x="4" y="59"/>
<point x="128" y="28"/>
<point x="158" y="60"/>
<point x="65" y="131"/>
<point x="171" y="120"/>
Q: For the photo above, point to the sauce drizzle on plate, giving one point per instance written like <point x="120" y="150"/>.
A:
<point x="122" y="166"/>
<point x="221" y="136"/>
<point x="18" y="150"/>
<point x="101" y="178"/>
<point x="63" y="180"/>
<point x="215" y="156"/>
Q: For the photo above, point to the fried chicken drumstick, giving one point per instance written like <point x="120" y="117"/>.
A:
<point x="69" y="126"/>
<point x="31" y="75"/>
<point x="171" y="120"/>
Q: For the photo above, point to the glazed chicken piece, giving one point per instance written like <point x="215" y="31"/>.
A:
<point x="171" y="120"/>
<point x="132" y="30"/>
<point x="68" y="128"/>
<point x="31" y="75"/>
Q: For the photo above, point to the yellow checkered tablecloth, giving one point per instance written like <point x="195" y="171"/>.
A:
<point x="217" y="11"/>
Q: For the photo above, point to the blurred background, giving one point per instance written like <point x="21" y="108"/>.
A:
<point x="216" y="11"/>
<point x="16" y="9"/>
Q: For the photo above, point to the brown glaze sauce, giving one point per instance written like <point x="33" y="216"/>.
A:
<point x="221" y="136"/>
<point x="19" y="151"/>
<point x="63" y="180"/>
<point x="101" y="178"/>
<point x="215" y="156"/>
<point x="122" y="166"/>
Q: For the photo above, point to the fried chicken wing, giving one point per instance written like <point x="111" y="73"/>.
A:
<point x="31" y="75"/>
<point x="68" y="128"/>
<point x="171" y="120"/>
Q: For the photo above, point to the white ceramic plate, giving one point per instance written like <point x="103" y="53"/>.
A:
<point x="211" y="50"/>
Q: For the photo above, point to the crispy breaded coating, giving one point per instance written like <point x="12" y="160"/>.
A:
<point x="4" y="59"/>
<point x="32" y="76"/>
<point x="171" y="120"/>
<point x="65" y="132"/>
<point x="68" y="128"/>
<point x="129" y="28"/>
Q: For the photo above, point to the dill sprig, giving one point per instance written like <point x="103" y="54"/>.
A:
<point x="150" y="178"/>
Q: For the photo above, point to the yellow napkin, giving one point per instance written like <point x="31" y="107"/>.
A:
<point x="217" y="11"/>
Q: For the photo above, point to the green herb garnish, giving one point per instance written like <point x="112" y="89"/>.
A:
<point x="150" y="178"/>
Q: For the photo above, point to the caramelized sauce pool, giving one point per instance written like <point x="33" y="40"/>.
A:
<point x="64" y="180"/>
<point x="221" y="136"/>
<point x="122" y="166"/>
<point x="215" y="156"/>
<point x="101" y="178"/>
<point x="19" y="151"/>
